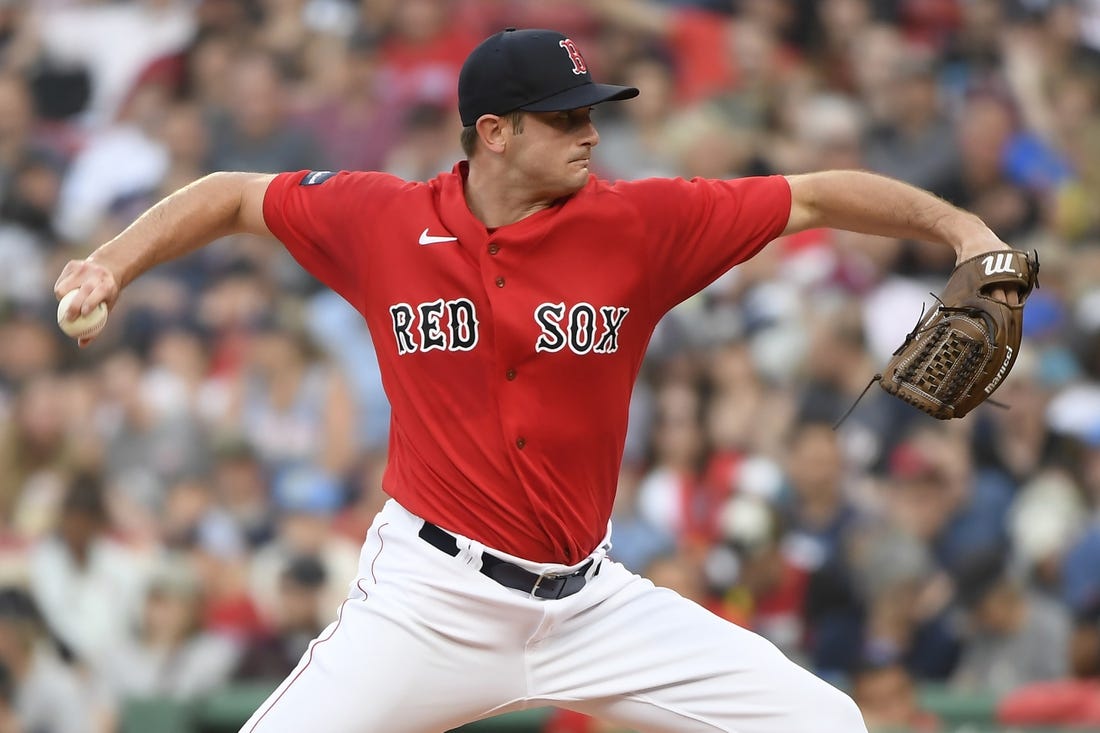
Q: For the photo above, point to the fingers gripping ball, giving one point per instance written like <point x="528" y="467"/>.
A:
<point x="81" y="327"/>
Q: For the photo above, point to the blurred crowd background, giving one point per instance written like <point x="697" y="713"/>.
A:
<point x="182" y="503"/>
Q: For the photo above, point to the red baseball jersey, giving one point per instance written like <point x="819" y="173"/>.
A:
<point x="509" y="355"/>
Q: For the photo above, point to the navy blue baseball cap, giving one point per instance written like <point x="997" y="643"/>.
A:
<point x="535" y="70"/>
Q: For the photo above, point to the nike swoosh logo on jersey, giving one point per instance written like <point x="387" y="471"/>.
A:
<point x="426" y="238"/>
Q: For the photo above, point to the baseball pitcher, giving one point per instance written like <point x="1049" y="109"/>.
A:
<point x="510" y="301"/>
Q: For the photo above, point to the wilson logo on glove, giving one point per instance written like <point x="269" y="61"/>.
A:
<point x="1000" y="262"/>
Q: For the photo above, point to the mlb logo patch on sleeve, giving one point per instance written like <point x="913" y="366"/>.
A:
<point x="314" y="178"/>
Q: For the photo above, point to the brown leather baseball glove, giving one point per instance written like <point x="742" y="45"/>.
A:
<point x="959" y="353"/>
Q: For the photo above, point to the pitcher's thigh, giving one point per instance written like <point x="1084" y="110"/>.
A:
<point x="659" y="663"/>
<point x="371" y="673"/>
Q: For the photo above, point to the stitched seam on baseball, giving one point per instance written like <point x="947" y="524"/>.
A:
<point x="87" y="332"/>
<point x="90" y="331"/>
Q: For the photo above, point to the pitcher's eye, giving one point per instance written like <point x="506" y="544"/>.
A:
<point x="577" y="117"/>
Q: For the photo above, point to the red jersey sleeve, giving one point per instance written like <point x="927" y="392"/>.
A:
<point x="324" y="219"/>
<point x="693" y="231"/>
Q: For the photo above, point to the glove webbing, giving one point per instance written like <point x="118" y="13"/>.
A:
<point x="944" y="354"/>
<point x="971" y="357"/>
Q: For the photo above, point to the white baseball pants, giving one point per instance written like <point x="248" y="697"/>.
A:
<point x="425" y="643"/>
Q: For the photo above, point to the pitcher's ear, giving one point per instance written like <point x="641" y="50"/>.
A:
<point x="494" y="131"/>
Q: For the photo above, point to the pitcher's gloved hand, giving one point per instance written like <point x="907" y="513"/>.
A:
<point x="962" y="351"/>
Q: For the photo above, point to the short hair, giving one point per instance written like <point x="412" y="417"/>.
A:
<point x="85" y="495"/>
<point x="305" y="571"/>
<point x="468" y="139"/>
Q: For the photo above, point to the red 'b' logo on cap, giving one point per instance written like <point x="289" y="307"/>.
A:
<point x="579" y="67"/>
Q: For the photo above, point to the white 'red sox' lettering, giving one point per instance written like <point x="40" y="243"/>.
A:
<point x="443" y="325"/>
<point x="578" y="329"/>
<point x="452" y="325"/>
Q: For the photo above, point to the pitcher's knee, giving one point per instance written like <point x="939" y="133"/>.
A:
<point x="818" y="707"/>
<point x="838" y="714"/>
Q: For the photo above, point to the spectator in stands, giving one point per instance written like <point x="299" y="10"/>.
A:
<point x="255" y="133"/>
<point x="887" y="697"/>
<point x="819" y="512"/>
<point x="422" y="54"/>
<point x="306" y="499"/>
<point x="935" y="495"/>
<point x="299" y="618"/>
<point x="633" y="145"/>
<point x="985" y="129"/>
<point x="43" y="694"/>
<point x="365" y="497"/>
<point x="834" y="49"/>
<point x="915" y="141"/>
<point x="240" y="484"/>
<point x="1072" y="702"/>
<point x="292" y="407"/>
<point x="87" y="585"/>
<point x="352" y="123"/>
<point x="1080" y="583"/>
<point x="37" y="451"/>
<point x="1015" y="637"/>
<point x="1047" y="516"/>
<point x="196" y="526"/>
<point x="87" y="35"/>
<point x="680" y="571"/>
<point x="339" y="330"/>
<point x="819" y="516"/>
<point x="746" y="414"/>
<point x="21" y="140"/>
<point x="426" y="149"/>
<point x="638" y="541"/>
<point x="152" y="439"/>
<point x="208" y="62"/>
<point x="703" y="44"/>
<point x="705" y="144"/>
<point x="9" y="718"/>
<point x="122" y="160"/>
<point x="761" y="589"/>
<point x="908" y="617"/>
<point x="834" y="380"/>
<point x="171" y="656"/>
<point x="669" y="496"/>
<point x="184" y="138"/>
<point x="33" y="352"/>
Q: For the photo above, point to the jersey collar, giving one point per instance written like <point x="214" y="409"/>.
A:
<point x="455" y="214"/>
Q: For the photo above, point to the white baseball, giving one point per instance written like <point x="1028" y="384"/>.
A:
<point x="81" y="326"/>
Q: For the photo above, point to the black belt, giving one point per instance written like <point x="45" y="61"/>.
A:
<point x="510" y="575"/>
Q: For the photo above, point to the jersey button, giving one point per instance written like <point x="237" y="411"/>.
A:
<point x="493" y="249"/>
<point x="500" y="282"/>
<point x="510" y="374"/>
<point x="520" y="442"/>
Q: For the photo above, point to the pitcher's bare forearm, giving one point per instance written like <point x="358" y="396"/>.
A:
<point x="214" y="206"/>
<point x="872" y="204"/>
<point x="197" y="214"/>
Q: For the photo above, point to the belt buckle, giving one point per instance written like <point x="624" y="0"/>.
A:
<point x="564" y="578"/>
<point x="538" y="583"/>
